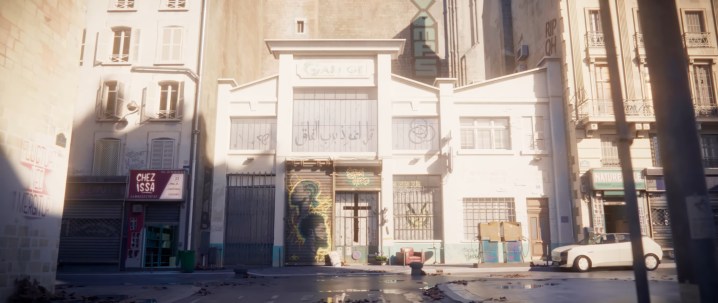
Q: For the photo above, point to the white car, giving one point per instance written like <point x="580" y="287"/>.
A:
<point x="603" y="250"/>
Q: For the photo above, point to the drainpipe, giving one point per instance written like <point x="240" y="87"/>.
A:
<point x="195" y="129"/>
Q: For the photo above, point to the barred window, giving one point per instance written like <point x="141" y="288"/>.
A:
<point x="655" y="151"/>
<point x="609" y="151"/>
<point x="415" y="134"/>
<point x="484" y="210"/>
<point x="253" y="134"/>
<point x="417" y="207"/>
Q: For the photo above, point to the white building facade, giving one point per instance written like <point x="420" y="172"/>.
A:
<point x="133" y="119"/>
<point x="337" y="154"/>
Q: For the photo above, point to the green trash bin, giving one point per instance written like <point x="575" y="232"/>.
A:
<point x="187" y="260"/>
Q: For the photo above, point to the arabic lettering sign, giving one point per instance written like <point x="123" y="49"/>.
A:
<point x="166" y="185"/>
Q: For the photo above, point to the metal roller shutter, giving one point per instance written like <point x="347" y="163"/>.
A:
<point x="91" y="232"/>
<point x="162" y="213"/>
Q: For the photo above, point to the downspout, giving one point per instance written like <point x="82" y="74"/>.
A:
<point x="195" y="129"/>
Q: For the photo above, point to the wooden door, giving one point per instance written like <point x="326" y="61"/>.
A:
<point x="539" y="230"/>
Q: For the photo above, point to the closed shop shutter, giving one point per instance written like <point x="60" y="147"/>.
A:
<point x="310" y="203"/>
<point x="91" y="232"/>
<point x="660" y="220"/>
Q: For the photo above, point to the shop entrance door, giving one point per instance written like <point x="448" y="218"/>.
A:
<point x="355" y="235"/>
<point x="539" y="230"/>
<point x="160" y="245"/>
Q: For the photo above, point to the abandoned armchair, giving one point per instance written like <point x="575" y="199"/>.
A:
<point x="407" y="255"/>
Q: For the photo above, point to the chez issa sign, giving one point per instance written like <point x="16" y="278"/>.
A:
<point x="165" y="185"/>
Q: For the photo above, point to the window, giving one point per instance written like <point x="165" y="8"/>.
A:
<point x="609" y="151"/>
<point x="171" y="45"/>
<point x="415" y="134"/>
<point x="704" y="97"/>
<point x="594" y="36"/>
<point x="474" y="20"/>
<point x="485" y="133"/>
<point x="484" y="210"/>
<point x="709" y="150"/>
<point x="175" y="4"/>
<point x="111" y="100"/>
<point x="533" y="133"/>
<point x="655" y="151"/>
<point x="695" y="27"/>
<point x="604" y="105"/>
<point x="334" y="120"/>
<point x="106" y="158"/>
<point x="123" y="4"/>
<point x="253" y="134"/>
<point x="171" y="96"/>
<point x="162" y="153"/>
<point x="694" y="22"/>
<point x="121" y="44"/>
<point x="300" y="27"/>
<point x="647" y="93"/>
<point x="417" y="207"/>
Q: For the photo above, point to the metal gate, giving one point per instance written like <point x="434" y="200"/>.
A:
<point x="660" y="220"/>
<point x="91" y="232"/>
<point x="355" y="226"/>
<point x="249" y="221"/>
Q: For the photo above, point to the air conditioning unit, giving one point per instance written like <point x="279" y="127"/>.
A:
<point x="522" y="53"/>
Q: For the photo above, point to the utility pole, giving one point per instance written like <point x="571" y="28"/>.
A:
<point x="625" y="139"/>
<point x="691" y="216"/>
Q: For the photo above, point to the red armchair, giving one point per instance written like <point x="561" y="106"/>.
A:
<point x="407" y="255"/>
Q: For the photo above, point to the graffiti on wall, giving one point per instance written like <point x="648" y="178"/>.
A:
<point x="309" y="232"/>
<point x="357" y="177"/>
<point x="135" y="159"/>
<point x="35" y="200"/>
<point x="424" y="29"/>
<point x="330" y="135"/>
<point x="471" y="253"/>
<point x="551" y="37"/>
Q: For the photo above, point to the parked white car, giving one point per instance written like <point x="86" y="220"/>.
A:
<point x="604" y="250"/>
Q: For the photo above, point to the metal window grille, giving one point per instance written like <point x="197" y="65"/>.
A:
<point x="106" y="158"/>
<point x="485" y="133"/>
<point x="124" y="4"/>
<point x="162" y="153"/>
<point x="175" y="4"/>
<point x="415" y="133"/>
<point x="253" y="134"/>
<point x="484" y="210"/>
<point x="609" y="151"/>
<point x="417" y="211"/>
<point x="660" y="217"/>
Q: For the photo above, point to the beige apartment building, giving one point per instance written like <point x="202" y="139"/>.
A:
<point x="572" y="31"/>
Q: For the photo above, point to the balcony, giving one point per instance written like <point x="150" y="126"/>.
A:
<point x="705" y="110"/>
<point x="595" y="39"/>
<point x="697" y="40"/>
<point x="602" y="109"/>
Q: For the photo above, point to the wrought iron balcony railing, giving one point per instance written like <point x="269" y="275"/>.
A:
<point x="697" y="40"/>
<point x="603" y="107"/>
<point x="595" y="39"/>
<point x="705" y="110"/>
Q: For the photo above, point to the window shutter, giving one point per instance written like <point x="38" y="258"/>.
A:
<point x="177" y="44"/>
<point x="150" y="106"/>
<point x="164" y="49"/>
<point x="103" y="41"/>
<point x="135" y="46"/>
<point x="180" y="100"/>
<point x="120" y="102"/>
<point x="162" y="153"/>
<point x="99" y="103"/>
<point x="106" y="158"/>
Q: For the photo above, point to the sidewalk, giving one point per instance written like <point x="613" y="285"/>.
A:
<point x="429" y="269"/>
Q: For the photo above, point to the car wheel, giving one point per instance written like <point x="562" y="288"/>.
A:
<point x="651" y="262"/>
<point x="582" y="264"/>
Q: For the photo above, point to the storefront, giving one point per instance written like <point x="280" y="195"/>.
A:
<point x="608" y="202"/>
<point x="152" y="228"/>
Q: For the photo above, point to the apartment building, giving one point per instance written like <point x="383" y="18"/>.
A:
<point x="127" y="200"/>
<point x="572" y="31"/>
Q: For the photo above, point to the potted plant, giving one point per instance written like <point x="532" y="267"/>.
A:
<point x="381" y="260"/>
